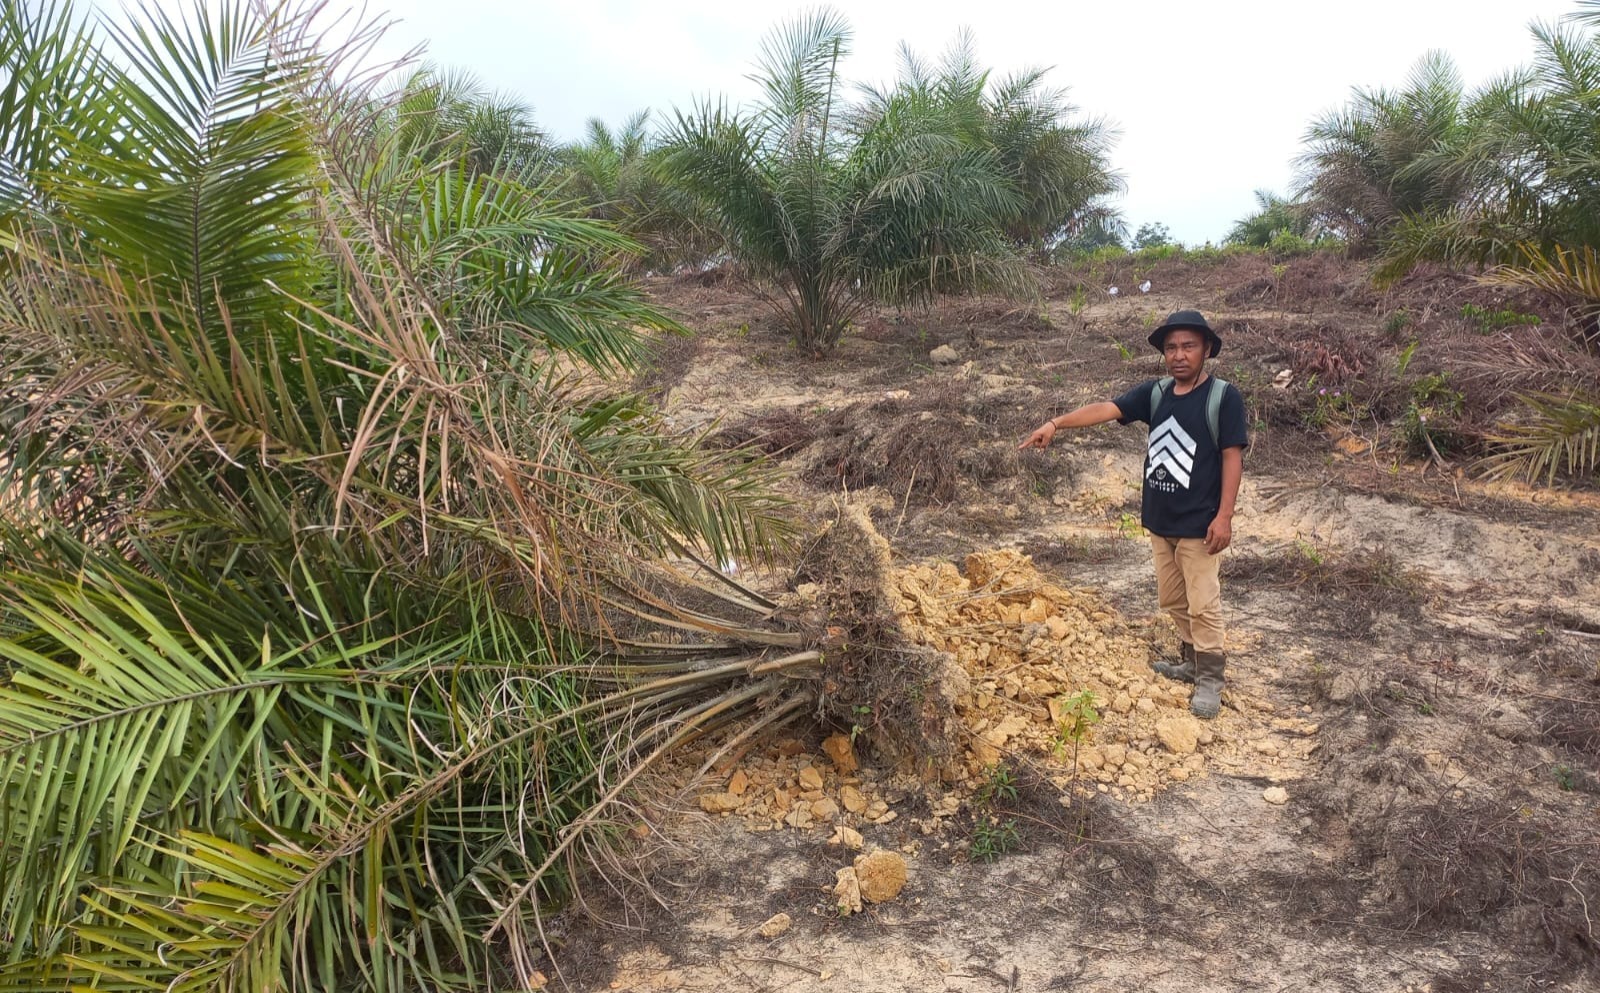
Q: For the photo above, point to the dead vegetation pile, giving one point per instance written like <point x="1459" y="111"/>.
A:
<point x="950" y="443"/>
<point x="935" y="448"/>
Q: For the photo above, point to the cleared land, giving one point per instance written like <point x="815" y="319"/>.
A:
<point x="1415" y="664"/>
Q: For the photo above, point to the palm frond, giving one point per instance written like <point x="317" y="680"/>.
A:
<point x="48" y="62"/>
<point x="1554" y="434"/>
<point x="188" y="172"/>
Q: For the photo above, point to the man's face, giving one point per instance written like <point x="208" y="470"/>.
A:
<point x="1185" y="352"/>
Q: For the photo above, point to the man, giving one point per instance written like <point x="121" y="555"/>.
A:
<point x="1192" y="466"/>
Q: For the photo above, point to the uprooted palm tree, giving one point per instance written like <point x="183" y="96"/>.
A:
<point x="834" y="218"/>
<point x="334" y="588"/>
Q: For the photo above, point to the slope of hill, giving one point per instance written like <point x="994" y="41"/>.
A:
<point x="1415" y="657"/>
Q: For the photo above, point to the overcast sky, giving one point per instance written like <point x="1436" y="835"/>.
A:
<point x="1211" y="98"/>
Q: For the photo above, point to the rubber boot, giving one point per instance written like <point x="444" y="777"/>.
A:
<point x="1207" y="698"/>
<point x="1183" y="672"/>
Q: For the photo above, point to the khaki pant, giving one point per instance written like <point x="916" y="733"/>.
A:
<point x="1190" y="589"/>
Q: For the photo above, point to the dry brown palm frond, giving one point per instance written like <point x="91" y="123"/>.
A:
<point x="1569" y="274"/>
<point x="1553" y="434"/>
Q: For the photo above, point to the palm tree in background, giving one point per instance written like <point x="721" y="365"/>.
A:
<point x="333" y="561"/>
<point x="1370" y="164"/>
<point x="1274" y="217"/>
<point x="616" y="175"/>
<point x="833" y="217"/>
<point x="1509" y="178"/>
<point x="448" y="116"/>
<point x="1059" y="167"/>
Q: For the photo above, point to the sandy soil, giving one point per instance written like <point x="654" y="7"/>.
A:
<point x="1415" y="663"/>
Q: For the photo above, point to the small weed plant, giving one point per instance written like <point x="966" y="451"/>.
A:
<point x="1078" y="300"/>
<point x="1406" y="354"/>
<point x="993" y="837"/>
<point x="860" y="712"/>
<point x="1000" y="785"/>
<point x="1331" y="405"/>
<point x="1434" y="406"/>
<point x="1076" y="723"/>
<point x="1486" y="321"/>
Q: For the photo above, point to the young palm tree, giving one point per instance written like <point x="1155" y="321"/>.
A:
<point x="1525" y="164"/>
<point x="1274" y="216"/>
<point x="617" y="177"/>
<point x="447" y="116"/>
<point x="331" y="582"/>
<point x="1529" y="175"/>
<point x="832" y="217"/>
<point x="1369" y="164"/>
<point x="1059" y="167"/>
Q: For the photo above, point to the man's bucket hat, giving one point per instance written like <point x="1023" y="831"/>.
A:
<point x="1194" y="321"/>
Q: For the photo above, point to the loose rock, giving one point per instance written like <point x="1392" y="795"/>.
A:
<point x="1275" y="795"/>
<point x="849" y="837"/>
<point x="776" y="925"/>
<point x="847" y="891"/>
<point x="881" y="875"/>
<point x="719" y="803"/>
<point x="1180" y="735"/>
<point x="842" y="752"/>
<point x="944" y="355"/>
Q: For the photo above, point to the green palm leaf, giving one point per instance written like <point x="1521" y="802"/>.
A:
<point x="189" y="172"/>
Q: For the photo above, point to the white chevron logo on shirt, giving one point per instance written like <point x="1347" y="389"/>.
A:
<point x="1171" y="448"/>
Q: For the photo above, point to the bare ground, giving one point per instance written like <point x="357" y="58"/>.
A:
<point x="1444" y="833"/>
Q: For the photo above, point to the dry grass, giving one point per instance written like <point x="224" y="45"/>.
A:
<point x="1346" y="591"/>
<point x="780" y="434"/>
<point x="1078" y="549"/>
<point x="939" y="446"/>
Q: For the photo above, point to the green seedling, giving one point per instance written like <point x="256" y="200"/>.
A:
<point x="1405" y="357"/>
<point x="1078" y="718"/>
<point x="992" y="838"/>
<point x="858" y="711"/>
<point x="1001" y="785"/>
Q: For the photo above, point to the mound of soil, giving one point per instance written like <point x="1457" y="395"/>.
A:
<point x="1023" y="650"/>
<point x="1028" y="647"/>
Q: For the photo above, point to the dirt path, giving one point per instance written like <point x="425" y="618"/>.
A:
<point x="1440" y="635"/>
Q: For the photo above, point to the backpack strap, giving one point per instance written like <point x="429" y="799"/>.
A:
<point x="1219" y="389"/>
<point x="1157" y="390"/>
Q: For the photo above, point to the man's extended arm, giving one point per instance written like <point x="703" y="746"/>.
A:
<point x="1220" y="534"/>
<point x="1085" y="416"/>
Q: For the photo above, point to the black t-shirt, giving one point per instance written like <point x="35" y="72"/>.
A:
<point x="1182" y="465"/>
